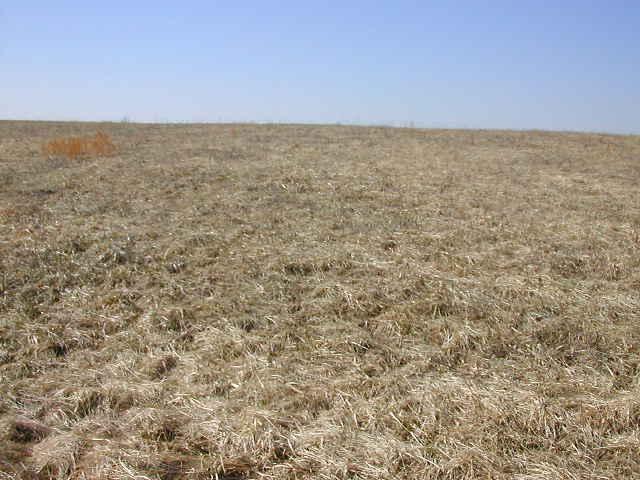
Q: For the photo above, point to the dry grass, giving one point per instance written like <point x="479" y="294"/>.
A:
<point x="319" y="302"/>
<point x="71" y="148"/>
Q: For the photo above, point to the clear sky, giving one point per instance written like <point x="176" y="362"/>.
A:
<point x="554" y="65"/>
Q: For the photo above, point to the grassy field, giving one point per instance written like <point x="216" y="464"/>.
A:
<point x="319" y="302"/>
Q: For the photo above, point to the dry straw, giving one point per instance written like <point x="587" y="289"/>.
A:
<point x="319" y="302"/>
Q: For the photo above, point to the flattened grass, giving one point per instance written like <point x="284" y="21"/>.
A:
<point x="243" y="301"/>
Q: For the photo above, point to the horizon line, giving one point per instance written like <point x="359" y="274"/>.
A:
<point x="391" y="125"/>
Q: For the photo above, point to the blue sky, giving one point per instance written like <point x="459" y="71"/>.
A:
<point x="572" y="65"/>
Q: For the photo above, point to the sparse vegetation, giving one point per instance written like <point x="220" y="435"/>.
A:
<point x="298" y="302"/>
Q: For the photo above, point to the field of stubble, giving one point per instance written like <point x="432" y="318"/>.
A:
<point x="319" y="302"/>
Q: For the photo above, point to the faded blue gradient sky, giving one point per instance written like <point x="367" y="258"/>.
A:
<point x="572" y="65"/>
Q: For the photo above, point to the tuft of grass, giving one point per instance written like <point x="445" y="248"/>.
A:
<point x="72" y="148"/>
<point x="26" y="430"/>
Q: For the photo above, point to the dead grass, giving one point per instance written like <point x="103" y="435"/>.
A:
<point x="241" y="301"/>
<point x="71" y="148"/>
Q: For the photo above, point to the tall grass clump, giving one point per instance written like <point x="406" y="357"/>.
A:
<point x="74" y="147"/>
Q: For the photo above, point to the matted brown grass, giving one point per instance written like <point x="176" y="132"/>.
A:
<point x="243" y="301"/>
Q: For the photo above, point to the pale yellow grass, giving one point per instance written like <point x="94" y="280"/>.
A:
<point x="243" y="301"/>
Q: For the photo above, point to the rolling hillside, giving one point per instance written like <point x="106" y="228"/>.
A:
<point x="330" y="302"/>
